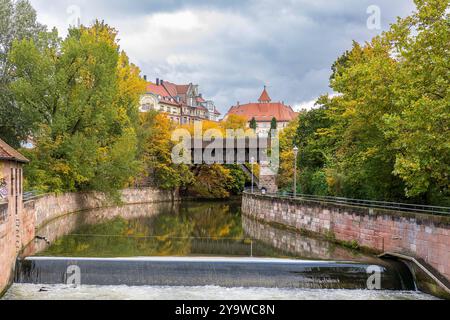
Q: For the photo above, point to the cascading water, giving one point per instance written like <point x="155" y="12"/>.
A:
<point x="226" y="272"/>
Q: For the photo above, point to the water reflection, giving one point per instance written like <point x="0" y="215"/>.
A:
<point x="186" y="229"/>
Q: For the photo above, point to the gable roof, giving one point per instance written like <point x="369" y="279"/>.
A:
<point x="9" y="153"/>
<point x="162" y="92"/>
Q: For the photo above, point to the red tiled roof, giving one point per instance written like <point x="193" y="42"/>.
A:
<point x="163" y="93"/>
<point x="158" y="90"/>
<point x="264" y="112"/>
<point x="200" y="100"/>
<point x="183" y="89"/>
<point x="264" y="96"/>
<point x="171" y="88"/>
<point x="8" y="153"/>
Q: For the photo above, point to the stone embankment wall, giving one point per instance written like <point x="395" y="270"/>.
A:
<point x="35" y="216"/>
<point x="419" y="235"/>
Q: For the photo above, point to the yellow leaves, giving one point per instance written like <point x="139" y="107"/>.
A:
<point x="235" y="122"/>
<point x="370" y="152"/>
<point x="62" y="168"/>
<point x="102" y="32"/>
<point x="224" y="231"/>
<point x="130" y="84"/>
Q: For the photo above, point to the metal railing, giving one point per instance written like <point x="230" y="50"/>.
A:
<point x="30" y="195"/>
<point x="407" y="207"/>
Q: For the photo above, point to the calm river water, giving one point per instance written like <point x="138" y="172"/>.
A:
<point x="186" y="229"/>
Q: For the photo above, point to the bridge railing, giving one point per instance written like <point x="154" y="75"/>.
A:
<point x="30" y="195"/>
<point x="398" y="206"/>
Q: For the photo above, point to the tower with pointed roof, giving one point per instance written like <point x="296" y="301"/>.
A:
<point x="264" y="98"/>
<point x="264" y="112"/>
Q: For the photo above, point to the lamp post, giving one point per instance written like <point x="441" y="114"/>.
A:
<point x="295" y="171"/>
<point x="252" y="162"/>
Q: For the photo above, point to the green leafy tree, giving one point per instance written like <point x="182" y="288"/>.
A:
<point x="253" y="124"/>
<point x="85" y="139"/>
<point x="385" y="136"/>
<point x="17" y="22"/>
<point x="212" y="181"/>
<point x="419" y="134"/>
<point x="273" y="124"/>
<point x="156" y="153"/>
<point x="239" y="178"/>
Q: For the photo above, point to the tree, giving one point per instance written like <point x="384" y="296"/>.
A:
<point x="316" y="150"/>
<point x="239" y="178"/>
<point x="419" y="134"/>
<point x="274" y="124"/>
<point x="253" y="124"/>
<point x="212" y="181"/>
<point x="287" y="142"/>
<point x="81" y="93"/>
<point x="385" y="136"/>
<point x="17" y="22"/>
<point x="156" y="153"/>
<point x="235" y="122"/>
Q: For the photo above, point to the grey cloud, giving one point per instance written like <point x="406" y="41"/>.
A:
<point x="287" y="44"/>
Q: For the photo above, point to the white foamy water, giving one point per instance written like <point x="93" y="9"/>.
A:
<point x="61" y="292"/>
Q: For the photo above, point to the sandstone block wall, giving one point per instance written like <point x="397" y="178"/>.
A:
<point x="419" y="235"/>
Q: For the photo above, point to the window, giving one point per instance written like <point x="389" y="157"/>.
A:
<point x="20" y="181"/>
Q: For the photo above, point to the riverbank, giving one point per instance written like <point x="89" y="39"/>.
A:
<point x="40" y="211"/>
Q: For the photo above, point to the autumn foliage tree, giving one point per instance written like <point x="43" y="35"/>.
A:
<point x="81" y="95"/>
<point x="385" y="135"/>
<point x="156" y="153"/>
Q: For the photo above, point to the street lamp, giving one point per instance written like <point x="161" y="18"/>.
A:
<point x="252" y="162"/>
<point x="295" y="171"/>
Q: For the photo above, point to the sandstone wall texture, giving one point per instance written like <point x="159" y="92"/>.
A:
<point x="423" y="236"/>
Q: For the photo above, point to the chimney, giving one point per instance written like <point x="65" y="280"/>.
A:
<point x="145" y="77"/>
<point x="157" y="81"/>
<point x="238" y="104"/>
<point x="161" y="82"/>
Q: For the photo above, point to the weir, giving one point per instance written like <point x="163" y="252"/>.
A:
<point x="225" y="272"/>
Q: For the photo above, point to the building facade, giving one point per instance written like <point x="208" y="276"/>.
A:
<point x="183" y="104"/>
<point x="263" y="112"/>
<point x="11" y="209"/>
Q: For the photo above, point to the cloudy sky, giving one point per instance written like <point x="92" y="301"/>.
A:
<point x="232" y="48"/>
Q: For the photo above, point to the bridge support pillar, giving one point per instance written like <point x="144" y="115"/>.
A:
<point x="267" y="178"/>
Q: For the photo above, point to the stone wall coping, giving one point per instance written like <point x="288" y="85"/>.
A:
<point x="438" y="219"/>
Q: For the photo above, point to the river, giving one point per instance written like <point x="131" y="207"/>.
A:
<point x="189" y="229"/>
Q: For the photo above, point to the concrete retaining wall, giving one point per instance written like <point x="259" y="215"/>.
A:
<point x="37" y="213"/>
<point x="423" y="236"/>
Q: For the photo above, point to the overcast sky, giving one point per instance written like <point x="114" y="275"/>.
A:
<point x="232" y="48"/>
